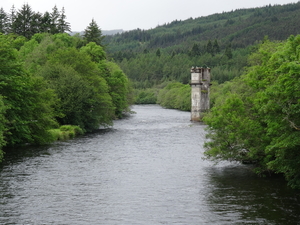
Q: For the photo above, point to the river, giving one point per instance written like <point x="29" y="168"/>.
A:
<point x="146" y="169"/>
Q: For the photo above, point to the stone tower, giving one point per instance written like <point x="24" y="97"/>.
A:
<point x="200" y="85"/>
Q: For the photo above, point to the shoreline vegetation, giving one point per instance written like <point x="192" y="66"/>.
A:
<point x="66" y="132"/>
<point x="54" y="86"/>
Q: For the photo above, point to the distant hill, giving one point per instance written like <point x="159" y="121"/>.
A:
<point x="112" y="32"/>
<point x="240" y="28"/>
<point x="104" y="32"/>
<point x="222" y="41"/>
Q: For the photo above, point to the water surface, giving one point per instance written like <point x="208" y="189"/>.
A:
<point x="146" y="169"/>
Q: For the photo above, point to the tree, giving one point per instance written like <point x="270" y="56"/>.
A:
<point x="22" y="23"/>
<point x="63" y="25"/>
<point x="4" y="22"/>
<point x="96" y="109"/>
<point x="195" y="50"/>
<point x="93" y="34"/>
<point x="256" y="117"/>
<point x="12" y="17"/>
<point x="216" y="47"/>
<point x="118" y="88"/>
<point x="209" y="47"/>
<point x="95" y="51"/>
<point x="29" y="112"/>
<point x="158" y="53"/>
<point x="2" y="126"/>
<point x="54" y="20"/>
<point x="36" y="23"/>
<point x="228" y="51"/>
<point x="45" y="23"/>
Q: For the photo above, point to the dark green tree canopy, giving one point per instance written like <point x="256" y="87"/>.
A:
<point x="255" y="117"/>
<point x="93" y="33"/>
<point x="195" y="50"/>
<point x="23" y="21"/>
<point x="26" y="22"/>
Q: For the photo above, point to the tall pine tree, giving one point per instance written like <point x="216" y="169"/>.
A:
<point x="4" y="22"/>
<point x="63" y="25"/>
<point x="23" y="21"/>
<point x="54" y="20"/>
<point x="93" y="33"/>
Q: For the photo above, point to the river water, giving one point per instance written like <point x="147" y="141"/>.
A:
<point x="146" y="169"/>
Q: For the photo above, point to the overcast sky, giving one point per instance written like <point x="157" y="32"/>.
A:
<point x="132" y="14"/>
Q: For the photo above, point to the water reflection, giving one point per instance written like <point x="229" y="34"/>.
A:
<point x="236" y="192"/>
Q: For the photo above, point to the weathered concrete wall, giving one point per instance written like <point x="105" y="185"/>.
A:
<point x="196" y="102"/>
<point x="200" y="85"/>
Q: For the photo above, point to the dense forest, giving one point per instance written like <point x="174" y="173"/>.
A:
<point x="221" y="41"/>
<point x="54" y="85"/>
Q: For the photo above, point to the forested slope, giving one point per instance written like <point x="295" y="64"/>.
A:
<point x="221" y="41"/>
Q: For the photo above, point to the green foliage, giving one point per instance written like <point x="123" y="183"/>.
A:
<point x="29" y="103"/>
<point x="91" y="90"/>
<point x="65" y="132"/>
<point x="93" y="33"/>
<point x="221" y="41"/>
<point x="256" y="117"/>
<point x="96" y="52"/>
<point x="2" y="126"/>
<point x="54" y="79"/>
<point x="146" y="96"/>
<point x="118" y="88"/>
<point x="83" y="93"/>
<point x="175" y="96"/>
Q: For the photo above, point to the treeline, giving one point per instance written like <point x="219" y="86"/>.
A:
<point x="154" y="67"/>
<point x="27" y="22"/>
<point x="255" y="118"/>
<point x="222" y="41"/>
<point x="53" y="80"/>
<point x="241" y="27"/>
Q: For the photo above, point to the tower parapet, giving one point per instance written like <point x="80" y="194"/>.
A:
<point x="200" y="85"/>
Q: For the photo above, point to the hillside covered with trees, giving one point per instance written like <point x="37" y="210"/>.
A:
<point x="221" y="41"/>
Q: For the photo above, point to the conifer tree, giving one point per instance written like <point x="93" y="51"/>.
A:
<point x="4" y="22"/>
<point x="45" y="23"/>
<point x="54" y="20"/>
<point x="216" y="47"/>
<point x="36" y="23"/>
<point x="23" y="21"/>
<point x="209" y="47"/>
<point x="93" y="33"/>
<point x="63" y="25"/>
<point x="195" y="50"/>
<point x="12" y="17"/>
<point x="158" y="53"/>
<point x="228" y="51"/>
